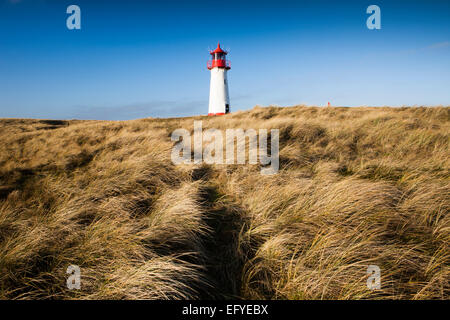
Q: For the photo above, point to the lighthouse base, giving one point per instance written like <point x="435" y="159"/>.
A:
<point x="216" y="114"/>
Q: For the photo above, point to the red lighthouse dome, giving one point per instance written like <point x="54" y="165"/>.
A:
<point x="218" y="59"/>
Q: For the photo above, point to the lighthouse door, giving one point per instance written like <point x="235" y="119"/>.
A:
<point x="227" y="108"/>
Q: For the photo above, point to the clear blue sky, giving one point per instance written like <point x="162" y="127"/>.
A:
<point x="134" y="59"/>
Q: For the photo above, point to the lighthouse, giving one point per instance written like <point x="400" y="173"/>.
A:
<point x="219" y="99"/>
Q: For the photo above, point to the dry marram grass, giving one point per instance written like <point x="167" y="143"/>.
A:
<point x="356" y="186"/>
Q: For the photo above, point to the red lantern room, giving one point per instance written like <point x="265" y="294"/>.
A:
<point x="218" y="59"/>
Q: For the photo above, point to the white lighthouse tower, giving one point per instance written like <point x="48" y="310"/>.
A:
<point x="219" y="99"/>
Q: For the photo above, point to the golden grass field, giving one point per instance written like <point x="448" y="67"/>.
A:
<point x="356" y="187"/>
